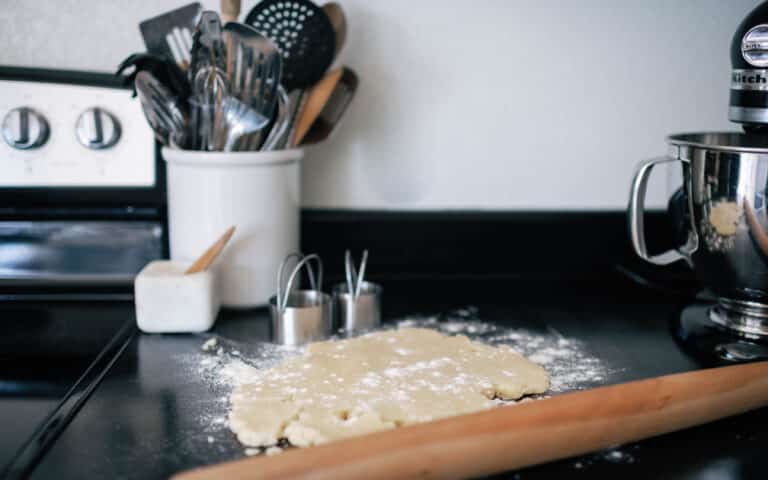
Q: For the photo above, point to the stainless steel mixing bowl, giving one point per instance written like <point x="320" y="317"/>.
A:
<point x="725" y="179"/>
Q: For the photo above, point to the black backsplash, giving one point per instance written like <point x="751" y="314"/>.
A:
<point x="570" y="246"/>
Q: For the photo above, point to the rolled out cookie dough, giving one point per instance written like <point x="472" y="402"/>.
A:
<point x="382" y="380"/>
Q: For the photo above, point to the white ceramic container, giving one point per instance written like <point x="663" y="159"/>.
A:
<point x="167" y="301"/>
<point x="259" y="192"/>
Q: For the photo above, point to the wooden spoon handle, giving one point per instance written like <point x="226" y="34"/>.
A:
<point x="520" y="435"/>
<point x="316" y="99"/>
<point x="230" y="10"/>
<point x="206" y="259"/>
<point x="339" y="22"/>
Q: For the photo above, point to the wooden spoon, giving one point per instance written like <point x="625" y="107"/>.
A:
<point x="316" y="99"/>
<point x="334" y="108"/>
<point x="230" y="10"/>
<point x="517" y="436"/>
<point x="339" y="22"/>
<point x="206" y="259"/>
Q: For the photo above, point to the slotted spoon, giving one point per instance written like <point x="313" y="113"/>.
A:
<point x="304" y="35"/>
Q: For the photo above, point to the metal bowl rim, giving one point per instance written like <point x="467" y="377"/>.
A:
<point x="698" y="140"/>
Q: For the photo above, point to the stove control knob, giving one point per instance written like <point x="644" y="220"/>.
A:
<point x="25" y="129"/>
<point x="97" y="129"/>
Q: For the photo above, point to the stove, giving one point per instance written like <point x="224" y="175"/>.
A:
<point x="82" y="210"/>
<point x="82" y="187"/>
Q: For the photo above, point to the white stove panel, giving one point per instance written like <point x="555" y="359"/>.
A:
<point x="63" y="161"/>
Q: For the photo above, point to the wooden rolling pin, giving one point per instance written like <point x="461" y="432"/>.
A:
<point x="517" y="436"/>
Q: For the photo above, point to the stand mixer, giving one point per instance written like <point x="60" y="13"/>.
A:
<point x="749" y="75"/>
<point x="722" y="211"/>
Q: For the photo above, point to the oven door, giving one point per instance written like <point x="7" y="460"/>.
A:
<point x="75" y="253"/>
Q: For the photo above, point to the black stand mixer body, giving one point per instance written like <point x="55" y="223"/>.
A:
<point x="749" y="75"/>
<point x="730" y="330"/>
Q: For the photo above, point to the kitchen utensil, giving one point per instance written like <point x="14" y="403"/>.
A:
<point x="208" y="48"/>
<point x="354" y="281"/>
<point x="161" y="110"/>
<point x="330" y="115"/>
<point x="238" y="121"/>
<point x="360" y="311"/>
<point x="348" y="271"/>
<point x="166" y="72"/>
<point x="749" y="81"/>
<point x="339" y="22"/>
<point x="253" y="72"/>
<point x="304" y="35"/>
<point x="207" y="258"/>
<point x="170" y="34"/>
<point x="203" y="127"/>
<point x="719" y="213"/>
<point x="282" y="122"/>
<point x="253" y="67"/>
<point x="208" y="79"/>
<point x="725" y="177"/>
<point x="260" y="192"/>
<point x="230" y="10"/>
<point x="300" y="316"/>
<point x="210" y="90"/>
<point x="357" y="304"/>
<point x="516" y="436"/>
<point x="317" y="97"/>
<point x="361" y="275"/>
<point x="297" y="99"/>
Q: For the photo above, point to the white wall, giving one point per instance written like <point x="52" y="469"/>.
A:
<point x="486" y="104"/>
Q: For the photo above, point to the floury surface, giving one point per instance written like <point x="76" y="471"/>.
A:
<point x="155" y="413"/>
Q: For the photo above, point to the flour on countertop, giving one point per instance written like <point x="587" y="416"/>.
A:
<point x="219" y="368"/>
<point x="568" y="362"/>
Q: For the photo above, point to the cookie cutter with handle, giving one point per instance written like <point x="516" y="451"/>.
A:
<point x="357" y="303"/>
<point x="300" y="316"/>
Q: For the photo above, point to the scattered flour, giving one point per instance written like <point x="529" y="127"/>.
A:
<point x="568" y="362"/>
<point x="219" y="367"/>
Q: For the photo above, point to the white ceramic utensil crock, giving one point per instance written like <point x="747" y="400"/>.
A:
<point x="257" y="191"/>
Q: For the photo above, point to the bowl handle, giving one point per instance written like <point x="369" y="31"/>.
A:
<point x="636" y="212"/>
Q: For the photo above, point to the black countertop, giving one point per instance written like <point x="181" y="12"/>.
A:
<point x="44" y="349"/>
<point x="154" y="414"/>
